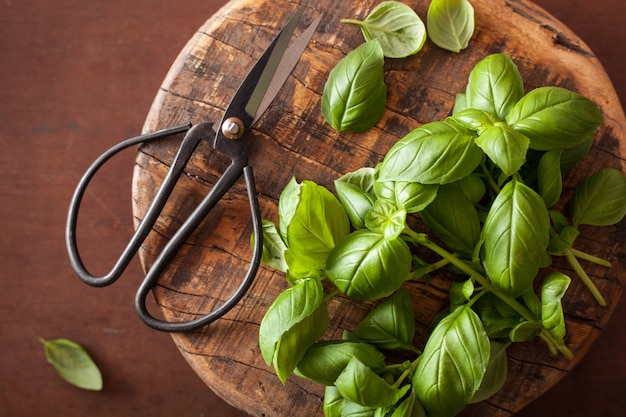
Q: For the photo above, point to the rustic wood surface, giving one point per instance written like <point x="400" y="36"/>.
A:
<point x="293" y="140"/>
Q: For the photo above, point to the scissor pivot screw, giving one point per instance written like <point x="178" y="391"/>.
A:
<point x="233" y="128"/>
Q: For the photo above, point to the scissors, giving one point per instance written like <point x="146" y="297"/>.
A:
<point x="256" y="92"/>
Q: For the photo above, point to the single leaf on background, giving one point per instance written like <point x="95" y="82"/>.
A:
<point x="450" y="23"/>
<point x="555" y="118"/>
<point x="399" y="29"/>
<point x="391" y="325"/>
<point x="494" y="85"/>
<point x="453" y="364"/>
<point x="600" y="200"/>
<point x="73" y="363"/>
<point x="355" y="93"/>
<point x="516" y="236"/>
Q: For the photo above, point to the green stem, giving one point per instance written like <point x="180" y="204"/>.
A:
<point x="573" y="261"/>
<point x="420" y="272"/>
<point x="408" y="371"/>
<point x="489" y="178"/>
<point x="588" y="257"/>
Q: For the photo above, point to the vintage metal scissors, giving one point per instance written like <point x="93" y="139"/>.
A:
<point x="252" y="98"/>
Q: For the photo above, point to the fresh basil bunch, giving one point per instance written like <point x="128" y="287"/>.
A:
<point x="486" y="182"/>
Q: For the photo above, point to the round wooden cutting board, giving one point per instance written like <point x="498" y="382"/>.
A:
<point x="292" y="139"/>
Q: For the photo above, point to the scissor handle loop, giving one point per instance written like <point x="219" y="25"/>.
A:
<point x="160" y="263"/>
<point x="186" y="149"/>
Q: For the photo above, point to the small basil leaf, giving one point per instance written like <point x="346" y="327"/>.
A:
<point x="399" y="29"/>
<point x="73" y="363"/>
<point x="386" y="218"/>
<point x="293" y="344"/>
<point x="287" y="204"/>
<point x="411" y="196"/>
<point x="355" y="93"/>
<point x="460" y="103"/>
<point x="564" y="240"/>
<point x="409" y="407"/>
<point x="361" y="385"/>
<point x="325" y="361"/>
<point x="356" y="202"/>
<point x="476" y="120"/>
<point x="454" y="219"/>
<point x="554" y="118"/>
<point x="549" y="177"/>
<point x="333" y="402"/>
<point x="453" y="364"/>
<point x="273" y="247"/>
<point x="318" y="223"/>
<point x="552" y="291"/>
<point x="571" y="156"/>
<point x="558" y="219"/>
<point x="525" y="330"/>
<point x="505" y="147"/>
<point x="494" y="85"/>
<point x="497" y="318"/>
<point x="288" y="309"/>
<point x="497" y="371"/>
<point x="435" y="153"/>
<point x="366" y="266"/>
<point x="515" y="237"/>
<point x="600" y="200"/>
<point x="391" y="325"/>
<point x="473" y="187"/>
<point x="450" y="23"/>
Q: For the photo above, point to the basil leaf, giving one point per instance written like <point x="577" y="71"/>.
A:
<point x="356" y="193"/>
<point x="564" y="241"/>
<point x="554" y="118"/>
<point x="552" y="291"/>
<point x="318" y="223"/>
<point x="600" y="200"/>
<point x="273" y="247"/>
<point x="549" y="177"/>
<point x="525" y="330"/>
<point x="435" y="153"/>
<point x="399" y="29"/>
<point x="473" y="187"/>
<point x="454" y="219"/>
<point x="366" y="266"/>
<point x="476" y="120"/>
<point x="287" y="204"/>
<point x="450" y="23"/>
<point x="571" y="156"/>
<point x="505" y="147"/>
<point x="355" y="93"/>
<point x="515" y="237"/>
<point x="494" y="85"/>
<point x="496" y="373"/>
<point x="325" y="361"/>
<point x="497" y="317"/>
<point x="333" y="402"/>
<point x="288" y="309"/>
<point x="411" y="196"/>
<point x="294" y="343"/>
<point x="460" y="103"/>
<point x="361" y="385"/>
<point x="409" y="407"/>
<point x="386" y="218"/>
<point x="73" y="363"/>
<point x="453" y="364"/>
<point x="391" y="325"/>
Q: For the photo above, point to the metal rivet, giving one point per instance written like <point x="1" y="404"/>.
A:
<point x="233" y="128"/>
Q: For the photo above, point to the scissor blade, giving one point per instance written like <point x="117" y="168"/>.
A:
<point x="285" y="66"/>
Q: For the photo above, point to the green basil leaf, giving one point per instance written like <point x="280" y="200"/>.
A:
<point x="549" y="177"/>
<point x="476" y="120"/>
<point x="411" y="196"/>
<point x="355" y="93"/>
<point x="288" y="309"/>
<point x="409" y="407"/>
<point x="516" y="236"/>
<point x="73" y="363"/>
<point x="525" y="330"/>
<point x="450" y="23"/>
<point x="391" y="325"/>
<point x="473" y="187"/>
<point x="564" y="241"/>
<point x="494" y="85"/>
<point x="600" y="200"/>
<point x="454" y="219"/>
<point x="325" y="361"/>
<point x="552" y="291"/>
<point x="294" y="343"/>
<point x="366" y="266"/>
<point x="319" y="222"/>
<point x="571" y="156"/>
<point x="273" y="247"/>
<point x="435" y="153"/>
<point x="495" y="376"/>
<point x="505" y="147"/>
<point x="453" y="364"/>
<point x="333" y="402"/>
<point x="360" y="384"/>
<point x="287" y="204"/>
<point x="356" y="193"/>
<point x="386" y="218"/>
<point x="497" y="317"/>
<point x="399" y="29"/>
<point x="555" y="118"/>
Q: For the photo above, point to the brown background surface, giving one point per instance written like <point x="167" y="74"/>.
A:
<point x="78" y="76"/>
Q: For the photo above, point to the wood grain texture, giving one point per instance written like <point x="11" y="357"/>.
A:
<point x="293" y="140"/>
